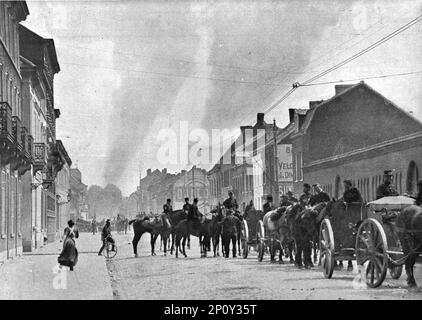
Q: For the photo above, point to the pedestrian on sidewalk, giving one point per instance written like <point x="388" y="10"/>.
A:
<point x="69" y="255"/>
<point x="94" y="226"/>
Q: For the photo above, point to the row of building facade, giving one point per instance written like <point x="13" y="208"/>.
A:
<point x="35" y="168"/>
<point x="356" y="134"/>
<point x="159" y="185"/>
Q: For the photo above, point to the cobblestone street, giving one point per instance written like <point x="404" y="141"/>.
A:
<point x="160" y="277"/>
<point x="34" y="276"/>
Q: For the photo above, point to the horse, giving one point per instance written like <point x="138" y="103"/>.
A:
<point x="409" y="226"/>
<point x="163" y="230"/>
<point x="200" y="228"/>
<point x="239" y="216"/>
<point x="306" y="228"/>
<point x="277" y="228"/>
<point x="141" y="226"/>
<point x="217" y="217"/>
<point x="230" y="226"/>
<point x="175" y="217"/>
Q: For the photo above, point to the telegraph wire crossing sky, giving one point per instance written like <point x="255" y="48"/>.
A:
<point x="140" y="67"/>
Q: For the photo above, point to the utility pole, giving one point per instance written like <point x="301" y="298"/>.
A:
<point x="277" y="191"/>
<point x="193" y="182"/>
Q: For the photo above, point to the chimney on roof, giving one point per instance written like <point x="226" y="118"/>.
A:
<point x="148" y="172"/>
<point x="260" y="118"/>
<point x="313" y="104"/>
<point x="339" y="88"/>
<point x="292" y="115"/>
<point x="243" y="128"/>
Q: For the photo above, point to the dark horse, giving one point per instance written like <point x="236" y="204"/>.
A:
<point x="217" y="217"/>
<point x="163" y="229"/>
<point x="141" y="226"/>
<point x="175" y="217"/>
<point x="409" y="225"/>
<point x="230" y="227"/>
<point x="306" y="228"/>
<point x="200" y="229"/>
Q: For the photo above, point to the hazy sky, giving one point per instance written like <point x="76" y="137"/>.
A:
<point x="132" y="68"/>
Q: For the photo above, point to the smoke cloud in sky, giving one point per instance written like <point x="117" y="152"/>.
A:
<point x="132" y="68"/>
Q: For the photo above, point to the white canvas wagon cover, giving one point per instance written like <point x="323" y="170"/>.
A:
<point x="391" y="203"/>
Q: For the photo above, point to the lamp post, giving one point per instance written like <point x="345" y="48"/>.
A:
<point x="277" y="191"/>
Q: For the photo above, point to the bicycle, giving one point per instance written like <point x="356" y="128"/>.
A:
<point x="108" y="252"/>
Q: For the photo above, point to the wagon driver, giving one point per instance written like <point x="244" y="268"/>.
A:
<point x="351" y="194"/>
<point x="386" y="189"/>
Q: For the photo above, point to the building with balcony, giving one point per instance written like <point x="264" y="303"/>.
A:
<point x="63" y="194"/>
<point x="39" y="64"/>
<point x="15" y="141"/>
<point x="78" y="191"/>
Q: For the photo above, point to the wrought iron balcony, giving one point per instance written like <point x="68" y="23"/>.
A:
<point x="30" y="146"/>
<point x="17" y="133"/>
<point x="25" y="155"/>
<point x="24" y="139"/>
<point x="6" y="134"/>
<point x="39" y="156"/>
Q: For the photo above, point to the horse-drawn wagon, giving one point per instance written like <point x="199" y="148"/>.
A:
<point x="252" y="233"/>
<point x="337" y="235"/>
<point x="369" y="234"/>
<point x="385" y="243"/>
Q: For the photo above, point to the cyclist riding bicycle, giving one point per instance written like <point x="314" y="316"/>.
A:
<point x="106" y="237"/>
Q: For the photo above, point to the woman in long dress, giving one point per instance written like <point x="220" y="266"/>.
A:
<point x="69" y="255"/>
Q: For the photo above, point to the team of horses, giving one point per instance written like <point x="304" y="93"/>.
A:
<point x="292" y="231"/>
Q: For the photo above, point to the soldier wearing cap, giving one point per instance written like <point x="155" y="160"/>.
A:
<point x="291" y="198"/>
<point x="186" y="206"/>
<point x="167" y="208"/>
<point x="386" y="189"/>
<point x="306" y="195"/>
<point x="230" y="202"/>
<point x="268" y="205"/>
<point x="319" y="195"/>
<point x="285" y="201"/>
<point x="193" y="216"/>
<point x="351" y="194"/>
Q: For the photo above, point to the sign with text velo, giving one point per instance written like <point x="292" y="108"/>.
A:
<point x="285" y="163"/>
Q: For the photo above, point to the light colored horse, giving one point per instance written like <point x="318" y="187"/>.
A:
<point x="278" y="232"/>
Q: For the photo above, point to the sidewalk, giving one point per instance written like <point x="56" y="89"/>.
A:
<point x="36" y="275"/>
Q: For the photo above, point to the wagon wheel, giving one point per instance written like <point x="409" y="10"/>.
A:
<point x="245" y="239"/>
<point x="260" y="240"/>
<point x="326" y="253"/>
<point x="371" y="252"/>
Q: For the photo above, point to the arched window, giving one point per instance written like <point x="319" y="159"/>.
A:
<point x="337" y="187"/>
<point x="412" y="178"/>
